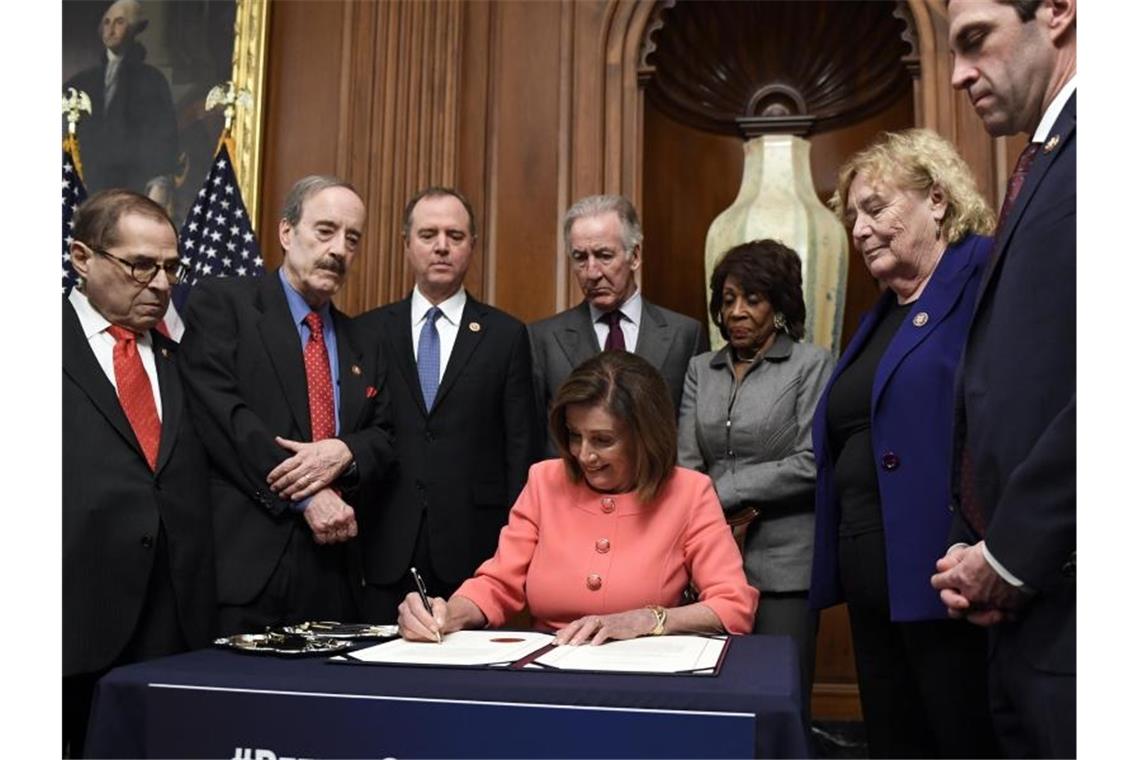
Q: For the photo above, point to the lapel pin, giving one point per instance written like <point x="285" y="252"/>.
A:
<point x="474" y="327"/>
<point x="1051" y="143"/>
<point x="165" y="353"/>
<point x="356" y="369"/>
<point x="920" y="319"/>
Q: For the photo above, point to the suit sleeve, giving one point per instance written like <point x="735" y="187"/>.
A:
<point x="1034" y="528"/>
<point x="701" y="341"/>
<point x="688" y="450"/>
<point x="498" y="587"/>
<point x="519" y="423"/>
<point x="538" y="383"/>
<point x="716" y="566"/>
<point x="794" y="475"/>
<point x="240" y="444"/>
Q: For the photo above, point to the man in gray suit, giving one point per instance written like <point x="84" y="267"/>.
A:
<point x="603" y="236"/>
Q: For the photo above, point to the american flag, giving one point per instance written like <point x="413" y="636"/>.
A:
<point x="217" y="238"/>
<point x="74" y="193"/>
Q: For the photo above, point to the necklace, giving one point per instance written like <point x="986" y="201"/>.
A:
<point x="737" y="357"/>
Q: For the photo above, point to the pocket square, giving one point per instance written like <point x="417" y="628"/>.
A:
<point x="370" y="391"/>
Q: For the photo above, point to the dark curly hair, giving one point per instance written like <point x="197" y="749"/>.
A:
<point x="766" y="267"/>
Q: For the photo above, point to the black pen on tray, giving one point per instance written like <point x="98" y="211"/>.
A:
<point x="420" y="587"/>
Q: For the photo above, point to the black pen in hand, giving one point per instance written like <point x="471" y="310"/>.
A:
<point x="422" y="589"/>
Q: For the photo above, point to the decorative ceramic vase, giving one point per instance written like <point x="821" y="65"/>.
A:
<point x="777" y="200"/>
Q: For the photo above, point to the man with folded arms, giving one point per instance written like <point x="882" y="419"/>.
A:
<point x="291" y="403"/>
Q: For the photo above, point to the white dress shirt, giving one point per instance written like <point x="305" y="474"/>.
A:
<point x="447" y="325"/>
<point x="630" y="321"/>
<point x="102" y="344"/>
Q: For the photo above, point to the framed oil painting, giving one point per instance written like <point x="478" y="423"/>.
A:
<point x="147" y="68"/>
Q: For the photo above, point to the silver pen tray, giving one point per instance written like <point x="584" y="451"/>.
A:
<point x="283" y="644"/>
<point x="347" y="631"/>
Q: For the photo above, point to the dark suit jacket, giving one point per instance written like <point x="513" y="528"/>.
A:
<point x="912" y="417"/>
<point x="136" y="138"/>
<point x="466" y="461"/>
<point x="1017" y="401"/>
<point x="245" y="377"/>
<point x="665" y="339"/>
<point x="113" y="506"/>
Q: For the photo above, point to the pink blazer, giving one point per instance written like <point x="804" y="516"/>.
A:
<point x="569" y="551"/>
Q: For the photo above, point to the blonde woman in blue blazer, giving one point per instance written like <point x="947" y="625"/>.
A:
<point x="882" y="435"/>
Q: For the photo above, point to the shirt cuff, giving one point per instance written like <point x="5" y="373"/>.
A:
<point x="302" y="505"/>
<point x="1006" y="575"/>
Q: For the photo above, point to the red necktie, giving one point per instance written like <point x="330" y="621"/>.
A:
<point x="615" y="341"/>
<point x="135" y="393"/>
<point x="321" y="414"/>
<point x="1017" y="180"/>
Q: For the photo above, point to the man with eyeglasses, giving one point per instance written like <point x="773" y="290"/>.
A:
<point x="138" y="566"/>
<point x="291" y="401"/>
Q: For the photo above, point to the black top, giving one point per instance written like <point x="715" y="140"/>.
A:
<point x="849" y="431"/>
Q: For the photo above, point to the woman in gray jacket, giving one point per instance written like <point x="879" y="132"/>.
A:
<point x="746" y="416"/>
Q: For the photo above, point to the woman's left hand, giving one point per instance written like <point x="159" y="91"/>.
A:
<point x="597" y="629"/>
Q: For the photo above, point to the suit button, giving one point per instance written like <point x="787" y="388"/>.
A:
<point x="147" y="542"/>
<point x="428" y="436"/>
<point x="890" y="461"/>
<point x="419" y="485"/>
<point x="608" y="505"/>
<point x="594" y="582"/>
<point x="602" y="545"/>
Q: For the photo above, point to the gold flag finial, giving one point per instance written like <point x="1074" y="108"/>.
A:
<point x="230" y="97"/>
<point x="74" y="102"/>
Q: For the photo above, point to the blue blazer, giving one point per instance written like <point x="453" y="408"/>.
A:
<point x="912" y="418"/>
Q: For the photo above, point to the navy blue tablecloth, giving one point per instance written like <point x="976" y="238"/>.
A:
<point x="759" y="676"/>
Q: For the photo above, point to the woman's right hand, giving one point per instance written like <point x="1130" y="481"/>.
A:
<point x="418" y="624"/>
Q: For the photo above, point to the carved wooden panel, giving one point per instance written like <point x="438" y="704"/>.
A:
<point x="362" y="90"/>
<point x="788" y="67"/>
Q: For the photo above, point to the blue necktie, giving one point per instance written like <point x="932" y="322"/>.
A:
<point x="428" y="360"/>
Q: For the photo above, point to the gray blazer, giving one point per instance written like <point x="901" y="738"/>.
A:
<point x="764" y="458"/>
<point x="665" y="339"/>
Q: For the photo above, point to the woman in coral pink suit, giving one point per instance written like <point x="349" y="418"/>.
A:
<point x="603" y="543"/>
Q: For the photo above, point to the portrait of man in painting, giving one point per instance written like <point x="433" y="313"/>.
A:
<point x="146" y="67"/>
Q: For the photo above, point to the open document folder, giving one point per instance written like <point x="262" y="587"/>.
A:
<point x="693" y="655"/>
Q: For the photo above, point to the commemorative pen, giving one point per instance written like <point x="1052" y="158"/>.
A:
<point x="422" y="589"/>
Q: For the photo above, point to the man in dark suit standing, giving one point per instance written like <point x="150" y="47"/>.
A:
<point x="1013" y="564"/>
<point x="290" y="402"/>
<point x="460" y="378"/>
<point x="138" y="566"/>
<point x="603" y="238"/>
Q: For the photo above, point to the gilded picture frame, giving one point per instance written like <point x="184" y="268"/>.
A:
<point x="148" y="68"/>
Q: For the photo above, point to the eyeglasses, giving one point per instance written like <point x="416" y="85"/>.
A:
<point x="144" y="272"/>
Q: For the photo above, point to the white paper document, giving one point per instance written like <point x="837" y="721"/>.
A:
<point x="459" y="648"/>
<point x="651" y="654"/>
